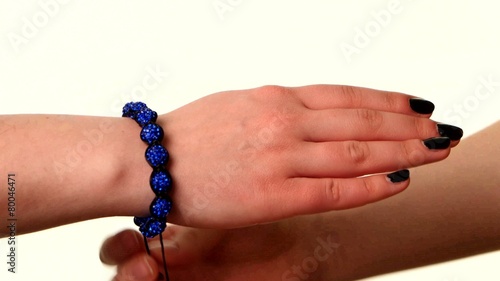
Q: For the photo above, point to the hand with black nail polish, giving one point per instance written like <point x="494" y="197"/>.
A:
<point x="312" y="149"/>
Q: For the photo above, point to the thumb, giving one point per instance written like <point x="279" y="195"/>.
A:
<point x="185" y="245"/>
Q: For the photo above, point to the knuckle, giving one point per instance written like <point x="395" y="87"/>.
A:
<point x="409" y="155"/>
<point x="368" y="187"/>
<point x="420" y="128"/>
<point x="332" y="189"/>
<point x="286" y="118"/>
<point x="358" y="152"/>
<point x="352" y="95"/>
<point x="372" y="118"/>
<point x="267" y="90"/>
<point x="391" y="101"/>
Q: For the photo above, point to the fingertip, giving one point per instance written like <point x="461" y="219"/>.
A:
<point x="385" y="186"/>
<point x="399" y="176"/>
<point x="437" y="143"/>
<point x="455" y="143"/>
<point x="453" y="132"/>
<point x="119" y="247"/>
<point x="388" y="185"/>
<point x="139" y="268"/>
<point x="398" y="181"/>
<point x="435" y="149"/>
<point x="422" y="106"/>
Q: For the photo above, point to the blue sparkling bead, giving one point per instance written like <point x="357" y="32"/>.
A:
<point x="156" y="155"/>
<point x="152" y="133"/>
<point x="140" y="220"/>
<point x="137" y="106"/>
<point x="146" y="116"/>
<point x="127" y="110"/>
<point x="153" y="227"/>
<point x="160" y="181"/>
<point x="160" y="207"/>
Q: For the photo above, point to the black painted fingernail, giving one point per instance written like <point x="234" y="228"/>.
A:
<point x="421" y="106"/>
<point x="437" y="143"/>
<point x="399" y="176"/>
<point x="453" y="132"/>
<point x="160" y="276"/>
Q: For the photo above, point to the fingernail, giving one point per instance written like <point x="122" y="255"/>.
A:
<point x="103" y="255"/>
<point x="129" y="240"/>
<point x="171" y="246"/>
<point x="160" y="276"/>
<point x="437" y="143"/>
<point x="141" y="271"/>
<point x="452" y="132"/>
<point x="421" y="106"/>
<point x="399" y="176"/>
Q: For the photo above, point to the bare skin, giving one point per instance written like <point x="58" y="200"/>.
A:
<point x="450" y="211"/>
<point x="233" y="156"/>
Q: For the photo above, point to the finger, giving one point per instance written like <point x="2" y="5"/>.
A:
<point x="314" y="195"/>
<point x="140" y="267"/>
<point x="337" y="96"/>
<point x="187" y="246"/>
<point x="365" y="125"/>
<point x="121" y="247"/>
<point x="356" y="158"/>
<point x="452" y="132"/>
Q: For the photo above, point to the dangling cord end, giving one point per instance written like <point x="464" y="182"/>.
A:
<point x="146" y="244"/>
<point x="160" y="276"/>
<point x="164" y="260"/>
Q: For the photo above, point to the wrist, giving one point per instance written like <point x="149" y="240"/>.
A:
<point x="128" y="193"/>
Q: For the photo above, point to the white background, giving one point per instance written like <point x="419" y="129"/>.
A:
<point x="88" y="57"/>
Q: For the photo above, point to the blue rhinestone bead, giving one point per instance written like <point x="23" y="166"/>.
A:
<point x="140" y="220"/>
<point x="160" y="207"/>
<point x="152" y="133"/>
<point x="160" y="181"/>
<point x="146" y="116"/>
<point x="153" y="227"/>
<point x="127" y="110"/>
<point x="156" y="155"/>
<point x="137" y="106"/>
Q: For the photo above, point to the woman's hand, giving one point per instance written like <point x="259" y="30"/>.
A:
<point x="286" y="250"/>
<point x="240" y="158"/>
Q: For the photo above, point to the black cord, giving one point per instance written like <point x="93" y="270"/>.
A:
<point x="164" y="260"/>
<point x="147" y="246"/>
<point x="160" y="276"/>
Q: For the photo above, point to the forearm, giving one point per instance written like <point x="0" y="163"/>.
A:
<point x="71" y="168"/>
<point x="450" y="210"/>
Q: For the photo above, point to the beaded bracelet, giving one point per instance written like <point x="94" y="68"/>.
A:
<point x="160" y="181"/>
